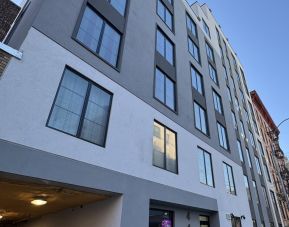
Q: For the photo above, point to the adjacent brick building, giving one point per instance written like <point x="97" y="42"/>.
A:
<point x="274" y="155"/>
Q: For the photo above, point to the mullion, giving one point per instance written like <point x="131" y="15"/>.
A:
<point x="100" y="37"/>
<point x="165" y="148"/>
<point x="81" y="120"/>
<point x="205" y="167"/>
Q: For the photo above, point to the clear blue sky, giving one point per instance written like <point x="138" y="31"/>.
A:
<point x="259" y="33"/>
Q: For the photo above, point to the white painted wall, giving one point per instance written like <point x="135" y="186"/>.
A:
<point x="106" y="213"/>
<point x="30" y="86"/>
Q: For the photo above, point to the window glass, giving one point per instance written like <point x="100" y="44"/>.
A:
<point x="165" y="47"/>
<point x="247" y="187"/>
<point x="105" y="44"/>
<point x="210" y="52"/>
<point x="159" y="218"/>
<point x="240" y="150"/>
<point x="164" y="89"/>
<point x="74" y="115"/>
<point x="223" y="139"/>
<point x="191" y="26"/>
<point x="197" y="80"/>
<point x="165" y="14"/>
<point x="194" y="50"/>
<point x="200" y="118"/>
<point x="164" y="148"/>
<point x="217" y="102"/>
<point x="248" y="158"/>
<point x="229" y="179"/>
<point x="206" y="28"/>
<point x="119" y="5"/>
<point x="205" y="167"/>
<point x="213" y="74"/>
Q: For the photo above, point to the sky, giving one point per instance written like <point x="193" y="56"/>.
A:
<point x="258" y="31"/>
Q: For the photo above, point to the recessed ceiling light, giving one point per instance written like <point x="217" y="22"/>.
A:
<point x="1" y="217"/>
<point x="39" y="202"/>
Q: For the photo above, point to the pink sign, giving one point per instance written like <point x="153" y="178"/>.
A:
<point x="166" y="223"/>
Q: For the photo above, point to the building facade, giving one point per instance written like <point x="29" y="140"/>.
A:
<point x="140" y="108"/>
<point x="274" y="157"/>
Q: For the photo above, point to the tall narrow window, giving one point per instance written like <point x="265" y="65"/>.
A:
<point x="240" y="151"/>
<point x="267" y="173"/>
<point x="191" y="26"/>
<point x="165" y="14"/>
<point x="234" y="120"/>
<point x="247" y="187"/>
<point x="261" y="148"/>
<point x="164" y="89"/>
<point x="256" y="191"/>
<point x="265" y="196"/>
<point x="119" y="5"/>
<point x="206" y="29"/>
<point x="229" y="95"/>
<point x="229" y="179"/>
<point x="200" y="118"/>
<point x="248" y="158"/>
<point x="258" y="166"/>
<point x="210" y="52"/>
<point x="205" y="167"/>
<point x="217" y="102"/>
<point x="213" y="73"/>
<point x="223" y="137"/>
<point x="204" y="221"/>
<point x="165" y="47"/>
<point x="81" y="109"/>
<point x="273" y="200"/>
<point x="252" y="140"/>
<point x="164" y="148"/>
<point x="97" y="35"/>
<point x="194" y="50"/>
<point x="197" y="80"/>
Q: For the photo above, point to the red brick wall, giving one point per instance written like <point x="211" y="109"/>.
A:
<point x="4" y="59"/>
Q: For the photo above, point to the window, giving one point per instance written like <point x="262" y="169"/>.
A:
<point x="247" y="116"/>
<point x="267" y="173"/>
<point x="252" y="140"/>
<point x="204" y="221"/>
<point x="213" y="74"/>
<point x="258" y="165"/>
<point x="206" y="28"/>
<point x="234" y="120"/>
<point x="242" y="129"/>
<point x="223" y="138"/>
<point x="229" y="179"/>
<point x="235" y="62"/>
<point x="97" y="35"/>
<point x="191" y="26"/>
<point x="242" y="96"/>
<point x="261" y="148"/>
<point x="265" y="196"/>
<point x="119" y="5"/>
<point x="229" y="95"/>
<point x="256" y="191"/>
<point x="165" y="14"/>
<point x="165" y="47"/>
<point x="240" y="151"/>
<point x="210" y="52"/>
<point x="164" y="89"/>
<point x="249" y="158"/>
<point x="194" y="50"/>
<point x="164" y="148"/>
<point x="273" y="199"/>
<point x="81" y="109"/>
<point x="217" y="102"/>
<point x="160" y="218"/>
<point x="237" y="104"/>
<point x="226" y="73"/>
<point x="197" y="80"/>
<point x="205" y="167"/>
<point x="254" y="223"/>
<point x="247" y="187"/>
<point x="200" y="118"/>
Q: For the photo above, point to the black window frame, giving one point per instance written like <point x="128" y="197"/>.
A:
<point x="159" y="29"/>
<point x="219" y="100"/>
<point x="166" y="10"/>
<point x="90" y="83"/>
<point x="206" y="28"/>
<point x="206" y="119"/>
<point x="192" y="67"/>
<point x="125" y="9"/>
<point x="188" y="17"/>
<point x="233" y="178"/>
<point x="223" y="136"/>
<point x="176" y="148"/>
<point x="105" y="21"/>
<point x="205" y="167"/>
<point x="198" y="50"/>
<point x="175" y="91"/>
